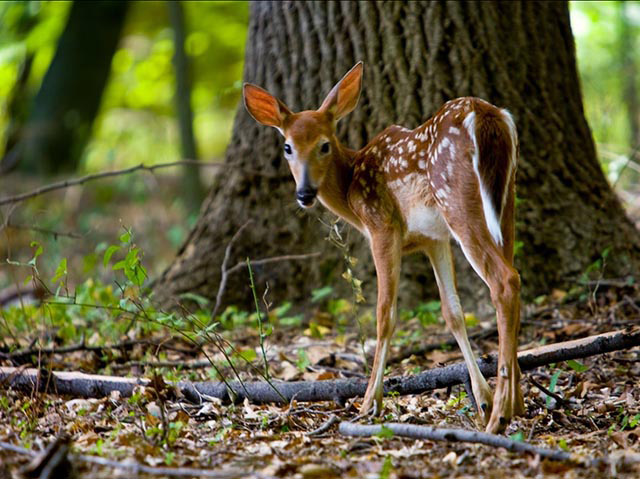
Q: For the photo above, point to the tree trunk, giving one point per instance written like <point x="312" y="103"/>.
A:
<point x="627" y="45"/>
<point x="417" y="55"/>
<point x="60" y="123"/>
<point x="193" y="190"/>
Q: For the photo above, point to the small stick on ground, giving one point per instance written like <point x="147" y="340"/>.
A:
<point x="137" y="468"/>
<point x="454" y="435"/>
<point x="325" y="426"/>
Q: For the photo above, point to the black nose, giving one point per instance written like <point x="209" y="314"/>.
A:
<point x="306" y="196"/>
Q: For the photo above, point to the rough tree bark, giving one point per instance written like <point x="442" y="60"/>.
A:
<point x="417" y="55"/>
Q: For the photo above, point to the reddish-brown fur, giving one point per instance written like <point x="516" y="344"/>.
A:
<point x="409" y="190"/>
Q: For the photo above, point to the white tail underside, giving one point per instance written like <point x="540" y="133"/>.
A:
<point x="492" y="218"/>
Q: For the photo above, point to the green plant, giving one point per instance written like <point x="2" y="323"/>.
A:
<point x="385" y="432"/>
<point x="387" y="467"/>
<point x="427" y="313"/>
<point x="303" y="360"/>
<point x="552" y="386"/>
<point x="263" y="334"/>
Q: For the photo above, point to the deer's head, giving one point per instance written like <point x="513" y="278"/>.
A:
<point x="310" y="143"/>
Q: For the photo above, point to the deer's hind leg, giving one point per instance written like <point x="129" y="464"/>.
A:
<point x="439" y="253"/>
<point x="488" y="260"/>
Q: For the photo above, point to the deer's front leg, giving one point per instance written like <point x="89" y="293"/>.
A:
<point x="387" y="253"/>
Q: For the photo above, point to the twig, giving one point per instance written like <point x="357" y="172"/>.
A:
<point x="260" y="327"/>
<point x="137" y="467"/>
<point x="25" y="353"/>
<point x="272" y="259"/>
<point x="37" y="229"/>
<point x="455" y="435"/>
<point x="95" y="176"/>
<point x="550" y="393"/>
<point x="224" y="272"/>
<point x="629" y="161"/>
<point x="325" y="426"/>
<point x="53" y="462"/>
<point x="203" y="363"/>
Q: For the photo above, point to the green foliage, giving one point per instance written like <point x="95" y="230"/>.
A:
<point x="600" y="29"/>
<point x="577" y="366"/>
<point x="136" y="121"/>
<point x="385" y="433"/>
<point x="303" y="360"/>
<point x="387" y="468"/>
<point x="318" y="295"/>
<point x="552" y="386"/>
<point x="427" y="313"/>
<point x="624" y="420"/>
<point x="562" y="444"/>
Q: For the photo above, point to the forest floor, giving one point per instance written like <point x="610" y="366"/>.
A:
<point x="591" y="406"/>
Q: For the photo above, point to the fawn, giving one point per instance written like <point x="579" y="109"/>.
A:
<point x="411" y="190"/>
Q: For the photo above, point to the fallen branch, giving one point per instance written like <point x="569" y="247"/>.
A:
<point x="95" y="176"/>
<point x="618" y="460"/>
<point x="56" y="234"/>
<point x="86" y="385"/>
<point x="454" y="435"/>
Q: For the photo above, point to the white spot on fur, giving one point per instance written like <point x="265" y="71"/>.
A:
<point x="452" y="150"/>
<point x="491" y="218"/>
<point x="454" y="131"/>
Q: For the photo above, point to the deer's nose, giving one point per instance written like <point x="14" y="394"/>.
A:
<point x="306" y="196"/>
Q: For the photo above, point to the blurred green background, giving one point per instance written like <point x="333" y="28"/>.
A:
<point x="137" y="120"/>
<point x="137" y="117"/>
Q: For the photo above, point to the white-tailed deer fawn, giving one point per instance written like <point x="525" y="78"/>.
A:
<point x="410" y="190"/>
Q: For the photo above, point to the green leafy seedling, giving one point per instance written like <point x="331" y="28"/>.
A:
<point x="385" y="433"/>
<point x="552" y="387"/>
<point x="577" y="366"/>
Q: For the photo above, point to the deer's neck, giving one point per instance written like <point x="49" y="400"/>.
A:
<point x="335" y="187"/>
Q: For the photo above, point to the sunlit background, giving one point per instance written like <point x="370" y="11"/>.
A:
<point x="137" y="116"/>
<point x="137" y="119"/>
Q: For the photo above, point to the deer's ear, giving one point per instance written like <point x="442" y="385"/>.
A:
<point x="343" y="98"/>
<point x="264" y="107"/>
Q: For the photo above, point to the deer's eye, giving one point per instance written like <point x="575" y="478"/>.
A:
<point x="287" y="148"/>
<point x="325" y="147"/>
